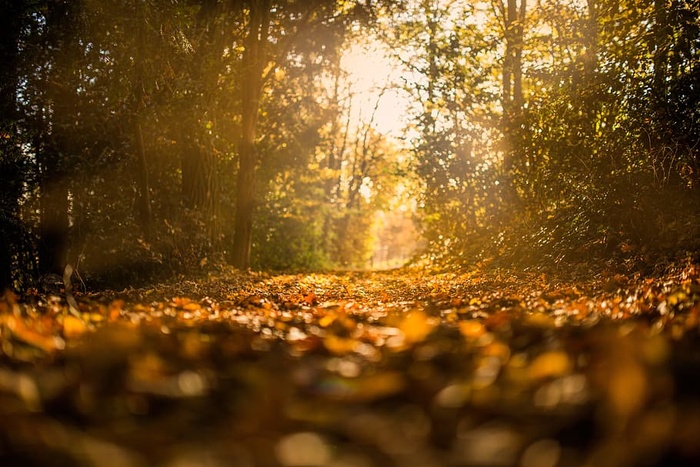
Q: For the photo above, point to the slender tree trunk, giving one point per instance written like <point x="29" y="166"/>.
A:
<point x="145" y="213"/>
<point x="200" y="186"/>
<point x="591" y="42"/>
<point x="433" y="67"/>
<point x="512" y="91"/>
<point x="245" y="204"/>
<point x="661" y="48"/>
<point x="254" y="62"/>
<point x="661" y="45"/>
<point x="590" y="64"/>
<point x="53" y="225"/>
<point x="519" y="44"/>
<point x="9" y="33"/>
<point x="512" y="75"/>
<point x="10" y="24"/>
<point x="507" y="75"/>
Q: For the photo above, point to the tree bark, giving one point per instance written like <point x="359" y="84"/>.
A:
<point x="661" y="46"/>
<point x="514" y="16"/>
<point x="144" y="211"/>
<point x="55" y="152"/>
<point x="195" y="192"/>
<point x="200" y="185"/>
<point x="10" y="180"/>
<point x="590" y="65"/>
<point x="254" y="62"/>
<point x="53" y="226"/>
<point x="512" y="91"/>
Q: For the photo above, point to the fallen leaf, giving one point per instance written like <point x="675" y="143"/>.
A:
<point x="550" y="365"/>
<point x="416" y="326"/>
<point x="73" y="327"/>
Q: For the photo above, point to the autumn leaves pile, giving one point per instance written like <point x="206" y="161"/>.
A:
<point x="598" y="371"/>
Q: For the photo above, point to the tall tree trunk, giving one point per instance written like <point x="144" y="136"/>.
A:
<point x="590" y="65"/>
<point x="200" y="185"/>
<point x="55" y="153"/>
<point x="433" y="66"/>
<point x="661" y="39"/>
<point x="10" y="22"/>
<point x="512" y="75"/>
<point x="144" y="211"/>
<point x="338" y="136"/>
<point x="591" y="42"/>
<point x="53" y="225"/>
<point x="518" y="45"/>
<point x="195" y="190"/>
<point x="254" y="62"/>
<point x="10" y="179"/>
<point x="661" y="43"/>
<point x="512" y="91"/>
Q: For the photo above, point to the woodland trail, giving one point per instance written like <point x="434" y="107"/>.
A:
<point x="357" y="369"/>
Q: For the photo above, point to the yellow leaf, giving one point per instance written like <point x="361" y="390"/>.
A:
<point x="471" y="328"/>
<point x="327" y="320"/>
<point x="339" y="345"/>
<point x="540" y="320"/>
<point x="27" y="334"/>
<point x="416" y="326"/>
<point x="191" y="306"/>
<point x="73" y="327"/>
<point x="550" y="365"/>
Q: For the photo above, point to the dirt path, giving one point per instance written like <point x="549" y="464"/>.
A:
<point x="357" y="369"/>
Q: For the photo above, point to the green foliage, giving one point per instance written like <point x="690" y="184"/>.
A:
<point x="568" y="133"/>
<point x="599" y="160"/>
<point x="125" y="128"/>
<point x="288" y="242"/>
<point x="603" y="161"/>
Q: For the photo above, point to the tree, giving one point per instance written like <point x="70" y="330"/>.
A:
<point x="254" y="64"/>
<point x="512" y="17"/>
<point x="454" y="77"/>
<point x="57" y="147"/>
<point x="273" y="31"/>
<point x="11" y="173"/>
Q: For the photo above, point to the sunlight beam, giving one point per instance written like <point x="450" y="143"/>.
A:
<point x="372" y="78"/>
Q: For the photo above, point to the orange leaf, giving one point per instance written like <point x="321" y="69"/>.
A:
<point x="550" y="365"/>
<point x="73" y="327"/>
<point x="471" y="328"/>
<point x="416" y="326"/>
<point x="45" y="342"/>
<point x="310" y="298"/>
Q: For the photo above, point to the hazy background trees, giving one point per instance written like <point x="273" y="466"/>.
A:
<point x="142" y="139"/>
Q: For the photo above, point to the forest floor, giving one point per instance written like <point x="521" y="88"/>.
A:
<point x="401" y="368"/>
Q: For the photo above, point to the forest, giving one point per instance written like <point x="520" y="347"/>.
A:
<point x="349" y="233"/>
<point x="142" y="140"/>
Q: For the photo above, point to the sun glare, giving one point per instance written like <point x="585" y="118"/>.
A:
<point x="373" y="82"/>
<point x="372" y="78"/>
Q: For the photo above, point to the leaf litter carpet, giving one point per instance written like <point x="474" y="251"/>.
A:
<point x="357" y="370"/>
